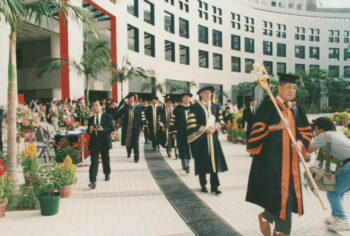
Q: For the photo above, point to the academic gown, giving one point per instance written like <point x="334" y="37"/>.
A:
<point x="165" y="138"/>
<point x="139" y="120"/>
<point x="275" y="161"/>
<point x="153" y="125"/>
<point x="206" y="149"/>
<point x="179" y="127"/>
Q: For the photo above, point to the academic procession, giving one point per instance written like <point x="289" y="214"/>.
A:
<point x="187" y="128"/>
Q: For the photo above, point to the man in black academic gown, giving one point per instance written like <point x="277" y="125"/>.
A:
<point x="166" y="139"/>
<point x="204" y="122"/>
<point x="274" y="181"/>
<point x="132" y="124"/>
<point x="248" y="116"/>
<point x="179" y="129"/>
<point x="100" y="127"/>
<point x="153" y="113"/>
<point x="145" y="129"/>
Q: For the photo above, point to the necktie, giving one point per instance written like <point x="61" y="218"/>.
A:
<point x="286" y="104"/>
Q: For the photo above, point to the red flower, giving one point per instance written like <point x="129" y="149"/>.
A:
<point x="2" y="169"/>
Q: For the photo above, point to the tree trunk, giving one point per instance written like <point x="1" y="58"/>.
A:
<point x="87" y="101"/>
<point x="121" y="90"/>
<point x="11" y="122"/>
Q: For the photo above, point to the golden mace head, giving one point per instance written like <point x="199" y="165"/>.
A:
<point x="261" y="76"/>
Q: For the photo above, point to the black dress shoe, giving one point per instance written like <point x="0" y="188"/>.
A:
<point x="216" y="191"/>
<point x="107" y="178"/>
<point x="136" y="161"/>
<point x="204" y="189"/>
<point x="187" y="171"/>
<point x="92" y="185"/>
<point x="169" y="155"/>
<point x="129" y="154"/>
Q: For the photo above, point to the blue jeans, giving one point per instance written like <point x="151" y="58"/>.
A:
<point x="185" y="164"/>
<point x="342" y="186"/>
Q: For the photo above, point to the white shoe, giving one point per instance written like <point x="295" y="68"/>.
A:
<point x="330" y="220"/>
<point x="339" y="225"/>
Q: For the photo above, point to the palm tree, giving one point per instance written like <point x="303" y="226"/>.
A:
<point x="95" y="60"/>
<point x="153" y="84"/>
<point x="14" y="12"/>
<point x="127" y="72"/>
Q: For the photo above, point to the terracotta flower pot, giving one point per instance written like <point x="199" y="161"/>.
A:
<point x="234" y="140"/>
<point x="3" y="204"/>
<point x="66" y="191"/>
<point x="245" y="142"/>
<point x="229" y="138"/>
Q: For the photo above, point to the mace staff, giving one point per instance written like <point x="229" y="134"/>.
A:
<point x="263" y="81"/>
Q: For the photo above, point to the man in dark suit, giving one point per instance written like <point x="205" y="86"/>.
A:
<point x="248" y="116"/>
<point x="100" y="127"/>
<point x="133" y="122"/>
<point x="2" y="114"/>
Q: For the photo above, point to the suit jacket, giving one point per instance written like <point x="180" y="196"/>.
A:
<point x="103" y="139"/>
<point x="248" y="117"/>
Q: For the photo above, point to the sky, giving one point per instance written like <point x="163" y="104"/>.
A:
<point x="335" y="3"/>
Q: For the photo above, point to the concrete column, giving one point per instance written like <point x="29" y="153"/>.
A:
<point x="55" y="52"/>
<point x="75" y="50"/>
<point x="4" y="58"/>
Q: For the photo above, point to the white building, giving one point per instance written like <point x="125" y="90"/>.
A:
<point x="206" y="41"/>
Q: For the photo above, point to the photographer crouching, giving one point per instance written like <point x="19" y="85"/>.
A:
<point x="339" y="147"/>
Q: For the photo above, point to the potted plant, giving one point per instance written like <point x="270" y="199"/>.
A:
<point x="64" y="148"/>
<point x="235" y="132"/>
<point x="67" y="174"/>
<point x="6" y="189"/>
<point x="229" y="131"/>
<point x="242" y="134"/>
<point x="30" y="164"/>
<point x="46" y="187"/>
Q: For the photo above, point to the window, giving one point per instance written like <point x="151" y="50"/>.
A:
<point x="249" y="45"/>
<point x="299" y="68"/>
<point x="249" y="24"/>
<point x="203" y="59"/>
<point x="300" y="51"/>
<point x="184" y="28"/>
<point x="333" y="53"/>
<point x="183" y="5"/>
<point x="169" y="22"/>
<point x="217" y="15"/>
<point x="315" y="53"/>
<point x="169" y="51"/>
<point x="314" y="67"/>
<point x="314" y="35"/>
<point x="281" y="50"/>
<point x="236" y="42"/>
<point x="184" y="55"/>
<point x="281" y="68"/>
<point x="267" y="45"/>
<point x="236" y="20"/>
<point x="133" y="8"/>
<point x="203" y="11"/>
<point x="171" y="2"/>
<point x="149" y="44"/>
<point x="346" y="36"/>
<point x="202" y="34"/>
<point x="148" y="13"/>
<point x="347" y="54"/>
<point x="217" y="38"/>
<point x="300" y="33"/>
<point x="281" y="31"/>
<point x="333" y="71"/>
<point x="236" y="64"/>
<point x="334" y="36"/>
<point x="248" y="65"/>
<point x="346" y="71"/>
<point x="267" y="30"/>
<point x="217" y="61"/>
<point x="133" y="38"/>
<point x="269" y="67"/>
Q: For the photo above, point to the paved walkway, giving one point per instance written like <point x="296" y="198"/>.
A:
<point x="133" y="203"/>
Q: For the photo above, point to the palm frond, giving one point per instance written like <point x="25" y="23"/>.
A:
<point x="12" y="11"/>
<point x="47" y="65"/>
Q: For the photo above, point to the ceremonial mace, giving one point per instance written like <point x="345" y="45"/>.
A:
<point x="263" y="80"/>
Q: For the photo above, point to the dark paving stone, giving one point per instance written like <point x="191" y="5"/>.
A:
<point x="199" y="217"/>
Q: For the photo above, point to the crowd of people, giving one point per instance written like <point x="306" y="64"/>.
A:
<point x="191" y="129"/>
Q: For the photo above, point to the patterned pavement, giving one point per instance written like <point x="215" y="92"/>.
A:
<point x="132" y="203"/>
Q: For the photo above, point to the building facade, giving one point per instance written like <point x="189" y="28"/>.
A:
<point x="200" y="41"/>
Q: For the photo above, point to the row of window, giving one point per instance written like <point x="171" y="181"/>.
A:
<point x="183" y="4"/>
